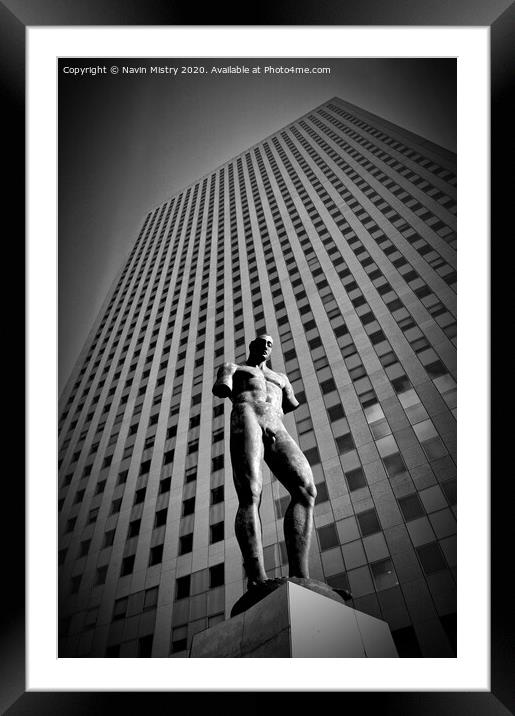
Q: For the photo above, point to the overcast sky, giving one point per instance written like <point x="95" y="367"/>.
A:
<point x="129" y="142"/>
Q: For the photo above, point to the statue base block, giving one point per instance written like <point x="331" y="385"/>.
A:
<point x="258" y="592"/>
<point x="296" y="621"/>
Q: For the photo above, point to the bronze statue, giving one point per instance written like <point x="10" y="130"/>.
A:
<point x="260" y="398"/>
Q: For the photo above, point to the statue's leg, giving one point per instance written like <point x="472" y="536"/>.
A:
<point x="291" y="467"/>
<point x="246" y="455"/>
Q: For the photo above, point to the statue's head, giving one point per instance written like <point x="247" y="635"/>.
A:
<point x="261" y="348"/>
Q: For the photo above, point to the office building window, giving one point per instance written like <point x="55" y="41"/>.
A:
<point x="70" y="524"/>
<point x="156" y="555"/>
<point x="216" y="532"/>
<point x="216" y="575"/>
<point x="355" y="479"/>
<point x="120" y="608"/>
<point x="92" y="515"/>
<point x="139" y="495"/>
<point x="217" y="495"/>
<point x="192" y="447"/>
<point x="116" y="506"/>
<point x="368" y="522"/>
<point x="194" y="421"/>
<point x="431" y="558"/>
<point x="186" y="543"/>
<point x="165" y="485"/>
<point x="384" y="575"/>
<point x="108" y="538"/>
<point x="322" y="493"/>
<point x="328" y="537"/>
<point x="188" y="506"/>
<point x="394" y="465"/>
<point x="217" y="463"/>
<point x="182" y="587"/>
<point x="312" y="455"/>
<point x="411" y="507"/>
<point x="191" y="474"/>
<point x="344" y="443"/>
<point x="150" y="599"/>
<point x="144" y="467"/>
<point x="160" y="518"/>
<point x="127" y="565"/>
<point x="336" y="412"/>
<point x="145" y="646"/>
<point x="90" y="619"/>
<point x="101" y="575"/>
<point x="84" y="548"/>
<point x="134" y="528"/>
<point x="168" y="457"/>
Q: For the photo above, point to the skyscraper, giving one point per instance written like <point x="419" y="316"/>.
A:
<point x="336" y="235"/>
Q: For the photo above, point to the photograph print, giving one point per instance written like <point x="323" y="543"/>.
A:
<point x="257" y="357"/>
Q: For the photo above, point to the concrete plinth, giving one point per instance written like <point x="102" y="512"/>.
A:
<point x="294" y="621"/>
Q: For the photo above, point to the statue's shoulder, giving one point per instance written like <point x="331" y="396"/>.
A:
<point x="280" y="378"/>
<point x="286" y="381"/>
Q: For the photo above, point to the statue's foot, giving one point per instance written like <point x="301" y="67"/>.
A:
<point x="343" y="593"/>
<point x="256" y="583"/>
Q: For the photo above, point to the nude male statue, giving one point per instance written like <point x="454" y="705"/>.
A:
<point x="260" y="398"/>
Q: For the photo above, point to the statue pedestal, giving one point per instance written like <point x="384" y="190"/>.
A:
<point x="294" y="621"/>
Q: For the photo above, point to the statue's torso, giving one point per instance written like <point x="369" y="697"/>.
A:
<point x="252" y="385"/>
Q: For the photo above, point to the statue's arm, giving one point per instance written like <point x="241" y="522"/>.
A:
<point x="290" y="402"/>
<point x="223" y="384"/>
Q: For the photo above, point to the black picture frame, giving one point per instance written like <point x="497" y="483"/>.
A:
<point x="15" y="17"/>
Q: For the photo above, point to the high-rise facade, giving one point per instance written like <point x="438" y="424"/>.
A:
<point x="337" y="236"/>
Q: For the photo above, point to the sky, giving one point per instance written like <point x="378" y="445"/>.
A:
<point x="127" y="142"/>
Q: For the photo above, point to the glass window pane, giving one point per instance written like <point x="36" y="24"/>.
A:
<point x="355" y="479"/>
<point x="368" y="522"/>
<point x="384" y="574"/>
<point x="322" y="493"/>
<point x="431" y="557"/>
<point x="328" y="537"/>
<point x="425" y="430"/>
<point x="434" y="448"/>
<point x="380" y="428"/>
<point x="387" y="445"/>
<point x="344" y="443"/>
<point x="394" y="465"/>
<point x="373" y="413"/>
<point x="416" y="413"/>
<point x="411" y="507"/>
<point x="409" y="397"/>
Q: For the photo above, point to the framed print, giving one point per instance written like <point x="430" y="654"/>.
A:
<point x="275" y="170"/>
